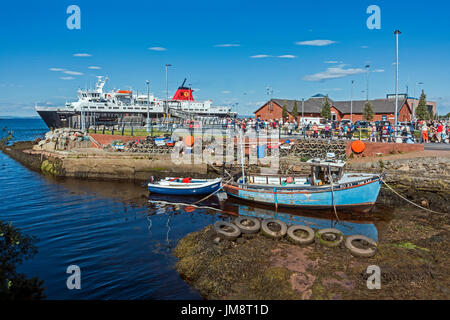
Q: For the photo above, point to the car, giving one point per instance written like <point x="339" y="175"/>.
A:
<point x="345" y="121"/>
<point x="362" y="124"/>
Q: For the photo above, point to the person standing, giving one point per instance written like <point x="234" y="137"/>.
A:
<point x="439" y="130"/>
<point x="373" y="134"/>
<point x="424" y="132"/>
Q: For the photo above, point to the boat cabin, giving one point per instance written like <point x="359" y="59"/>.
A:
<point x="325" y="171"/>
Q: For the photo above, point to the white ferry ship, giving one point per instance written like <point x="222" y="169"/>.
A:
<point x="96" y="107"/>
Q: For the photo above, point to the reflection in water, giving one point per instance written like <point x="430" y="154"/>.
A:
<point x="348" y="223"/>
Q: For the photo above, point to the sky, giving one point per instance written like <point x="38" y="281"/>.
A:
<point x="229" y="51"/>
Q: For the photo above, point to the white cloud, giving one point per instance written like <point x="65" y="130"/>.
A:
<point x="364" y="47"/>
<point x="260" y="56"/>
<point x="227" y="45"/>
<point x="74" y="73"/>
<point x="82" y="55"/>
<point x="334" y="89"/>
<point x="157" y="49"/>
<point x="67" y="78"/>
<point x="226" y="92"/>
<point x="378" y="70"/>
<point x="315" y="43"/>
<point x="330" y="62"/>
<point x="333" y="73"/>
<point x="94" y="68"/>
<point x="287" y="56"/>
<point x="56" y="69"/>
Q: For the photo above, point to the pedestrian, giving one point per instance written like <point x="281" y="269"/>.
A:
<point x="373" y="133"/>
<point x="424" y="132"/>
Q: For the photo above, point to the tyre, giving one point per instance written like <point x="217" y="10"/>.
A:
<point x="247" y="224"/>
<point x="370" y="244"/>
<point x="309" y="238"/>
<point x="274" y="234"/>
<point x="330" y="237"/>
<point x="226" y="230"/>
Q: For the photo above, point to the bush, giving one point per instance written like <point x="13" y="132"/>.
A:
<point x="14" y="249"/>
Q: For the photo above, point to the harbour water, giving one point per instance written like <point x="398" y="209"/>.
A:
<point x="122" y="243"/>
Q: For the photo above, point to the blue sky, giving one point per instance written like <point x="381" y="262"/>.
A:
<point x="229" y="51"/>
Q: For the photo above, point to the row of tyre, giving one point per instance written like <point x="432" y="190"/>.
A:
<point x="358" y="245"/>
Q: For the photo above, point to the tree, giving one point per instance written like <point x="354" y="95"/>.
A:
<point x="295" y="110"/>
<point x="422" y="109"/>
<point x="325" y="113"/>
<point x="284" y="114"/>
<point x="14" y="248"/>
<point x="368" y="111"/>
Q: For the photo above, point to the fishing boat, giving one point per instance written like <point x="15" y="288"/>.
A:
<point x="185" y="186"/>
<point x="326" y="186"/>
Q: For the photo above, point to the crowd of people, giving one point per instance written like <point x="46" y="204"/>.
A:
<point x="375" y="131"/>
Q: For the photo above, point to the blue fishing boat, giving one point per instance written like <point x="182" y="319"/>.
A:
<point x="185" y="186"/>
<point x="326" y="186"/>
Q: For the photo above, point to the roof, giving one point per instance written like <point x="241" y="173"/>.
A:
<point x="378" y="105"/>
<point x="315" y="104"/>
<point x="312" y="105"/>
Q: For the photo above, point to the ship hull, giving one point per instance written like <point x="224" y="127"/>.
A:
<point x="60" y="118"/>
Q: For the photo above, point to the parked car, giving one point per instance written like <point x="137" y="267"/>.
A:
<point x="362" y="124"/>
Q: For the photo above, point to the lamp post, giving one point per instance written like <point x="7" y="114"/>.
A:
<point x="189" y="104"/>
<point x="148" y="106"/>
<point x="367" y="82"/>
<point x="303" y="117"/>
<point x="351" y="102"/>
<point x="167" y="89"/>
<point x="397" y="32"/>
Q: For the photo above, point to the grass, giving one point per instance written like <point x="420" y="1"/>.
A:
<point x="409" y="246"/>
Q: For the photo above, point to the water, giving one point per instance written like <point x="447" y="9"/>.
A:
<point x="122" y="243"/>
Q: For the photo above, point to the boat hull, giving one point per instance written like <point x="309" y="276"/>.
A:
<point x="361" y="195"/>
<point x="186" y="191"/>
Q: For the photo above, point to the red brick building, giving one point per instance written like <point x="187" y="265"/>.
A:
<point x="384" y="109"/>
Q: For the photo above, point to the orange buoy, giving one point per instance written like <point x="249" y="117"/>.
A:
<point x="189" y="141"/>
<point x="189" y="209"/>
<point x="358" y="146"/>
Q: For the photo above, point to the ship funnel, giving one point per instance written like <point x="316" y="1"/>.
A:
<point x="183" y="93"/>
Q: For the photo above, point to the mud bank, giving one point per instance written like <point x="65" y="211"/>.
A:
<point x="412" y="255"/>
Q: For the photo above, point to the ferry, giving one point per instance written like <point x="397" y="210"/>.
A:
<point x="125" y="107"/>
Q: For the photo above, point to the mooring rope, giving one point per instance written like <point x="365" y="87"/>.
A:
<point x="203" y="199"/>
<point x="332" y="193"/>
<point x="415" y="204"/>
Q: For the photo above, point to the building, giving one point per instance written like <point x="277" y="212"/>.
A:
<point x="384" y="109"/>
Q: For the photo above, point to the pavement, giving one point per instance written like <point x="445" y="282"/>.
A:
<point x="437" y="146"/>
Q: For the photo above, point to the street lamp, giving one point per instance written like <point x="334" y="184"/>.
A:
<point x="148" y="105"/>
<point x="167" y="90"/>
<point x="351" y="103"/>
<point x="397" y="32"/>
<point x="367" y="82"/>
